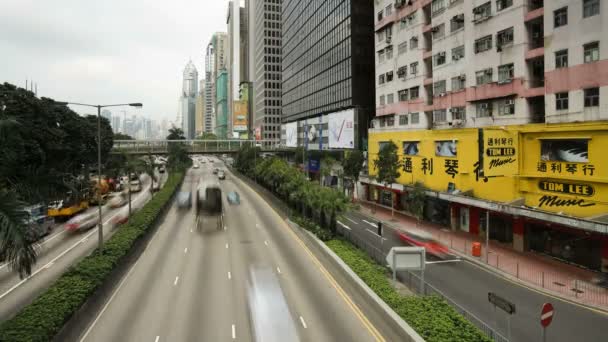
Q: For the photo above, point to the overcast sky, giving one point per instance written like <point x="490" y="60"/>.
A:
<point x="110" y="51"/>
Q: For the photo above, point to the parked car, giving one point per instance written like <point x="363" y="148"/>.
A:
<point x="221" y="175"/>
<point x="184" y="199"/>
<point x="234" y="198"/>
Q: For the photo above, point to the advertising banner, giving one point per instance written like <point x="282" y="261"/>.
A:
<point x="258" y="133"/>
<point x="239" y="122"/>
<point x="291" y="134"/>
<point x="342" y="129"/>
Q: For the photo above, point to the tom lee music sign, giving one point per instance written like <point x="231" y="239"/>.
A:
<point x="578" y="189"/>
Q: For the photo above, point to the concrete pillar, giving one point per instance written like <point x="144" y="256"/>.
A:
<point x="605" y="254"/>
<point x="518" y="234"/>
<point x="454" y="216"/>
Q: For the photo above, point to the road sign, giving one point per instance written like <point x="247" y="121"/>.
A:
<point x="406" y="258"/>
<point x="546" y="315"/>
<point x="501" y="303"/>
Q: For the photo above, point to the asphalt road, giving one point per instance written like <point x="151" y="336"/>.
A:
<point x="56" y="253"/>
<point x="191" y="285"/>
<point x="468" y="285"/>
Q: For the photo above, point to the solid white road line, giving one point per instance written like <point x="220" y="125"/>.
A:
<point x="279" y="270"/>
<point x="226" y="246"/>
<point x="343" y="225"/>
<point x="371" y="231"/>
<point x="186" y="250"/>
<point x="176" y="280"/>
<point x="371" y="224"/>
<point x="157" y="338"/>
<point x="229" y="275"/>
<point x="49" y="265"/>
<point x="233" y="332"/>
<point x="442" y="261"/>
<point x="191" y="231"/>
<point x="303" y="323"/>
<point x="353" y="221"/>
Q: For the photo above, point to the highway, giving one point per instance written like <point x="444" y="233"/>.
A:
<point x="57" y="252"/>
<point x="468" y="285"/>
<point x="191" y="285"/>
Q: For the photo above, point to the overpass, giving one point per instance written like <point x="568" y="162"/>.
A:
<point x="193" y="146"/>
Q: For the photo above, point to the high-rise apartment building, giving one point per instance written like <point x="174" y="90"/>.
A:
<point x="327" y="68"/>
<point x="267" y="66"/>
<point x="499" y="109"/>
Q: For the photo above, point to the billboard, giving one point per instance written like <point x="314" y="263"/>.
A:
<point x="342" y="129"/>
<point x="258" y="133"/>
<point x="291" y="134"/>
<point x="239" y="117"/>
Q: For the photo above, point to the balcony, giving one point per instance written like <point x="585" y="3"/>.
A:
<point x="427" y="54"/>
<point x="535" y="4"/>
<point x="535" y="53"/>
<point x="537" y="13"/>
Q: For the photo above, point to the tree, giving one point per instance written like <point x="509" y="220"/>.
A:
<point x="121" y="136"/>
<point x="207" y="136"/>
<point x="178" y="155"/>
<point x="148" y="167"/>
<point x="176" y="134"/>
<point x="416" y="198"/>
<point x="327" y="165"/>
<point x="246" y="158"/>
<point x="353" y="165"/>
<point x="387" y="164"/>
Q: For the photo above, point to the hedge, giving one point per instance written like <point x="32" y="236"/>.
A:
<point x="321" y="233"/>
<point x="46" y="315"/>
<point x="431" y="316"/>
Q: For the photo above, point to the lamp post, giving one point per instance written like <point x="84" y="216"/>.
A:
<point x="138" y="105"/>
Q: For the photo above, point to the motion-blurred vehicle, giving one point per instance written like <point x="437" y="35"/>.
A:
<point x="221" y="175"/>
<point x="234" y="198"/>
<point x="269" y="314"/>
<point x="215" y="171"/>
<point x="161" y="169"/>
<point x="82" y="222"/>
<point x="184" y="199"/>
<point x="135" y="186"/>
<point x="118" y="201"/>
<point x="70" y="205"/>
<point x="38" y="223"/>
<point x="416" y="237"/>
<point x="209" y="204"/>
<point x="99" y="189"/>
<point x="195" y="166"/>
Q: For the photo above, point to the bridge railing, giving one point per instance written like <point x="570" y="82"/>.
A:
<point x="193" y="146"/>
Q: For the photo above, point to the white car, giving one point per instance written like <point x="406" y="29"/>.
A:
<point x="195" y="166"/>
<point x="135" y="186"/>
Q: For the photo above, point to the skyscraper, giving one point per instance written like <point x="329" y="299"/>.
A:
<point x="187" y="101"/>
<point x="215" y="61"/>
<point x="237" y="56"/>
<point x="200" y="109"/>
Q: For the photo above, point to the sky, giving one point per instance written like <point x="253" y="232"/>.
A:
<point x="107" y="52"/>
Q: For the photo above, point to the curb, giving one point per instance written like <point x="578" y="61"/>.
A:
<point x="506" y="275"/>
<point x="390" y="315"/>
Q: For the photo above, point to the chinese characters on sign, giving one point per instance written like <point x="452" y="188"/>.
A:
<point x="407" y="164"/>
<point x="427" y="165"/>
<point x="479" y="172"/>
<point x="451" y="167"/>
<point x="501" y="151"/>
<point x="573" y="169"/>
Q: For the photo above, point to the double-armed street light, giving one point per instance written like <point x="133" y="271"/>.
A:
<point x="137" y="105"/>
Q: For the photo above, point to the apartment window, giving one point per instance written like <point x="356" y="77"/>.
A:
<point x="438" y="31"/>
<point x="390" y="121"/>
<point x="402" y="72"/>
<point x="414" y="93"/>
<point x="506" y="107"/>
<point x="482" y="12"/>
<point x="413" y="43"/>
<point x="591" y="8"/>
<point x="458" y="53"/>
<point x="505" y="73"/>
<point x="561" y="101"/>
<point x="414" y="118"/>
<point x="380" y="56"/>
<point x="592" y="97"/>
<point x="380" y="14"/>
<point x="389" y="52"/>
<point x="414" y="68"/>
<point x="483" y="44"/>
<point x="402" y="94"/>
<point x="592" y="52"/>
<point x="382" y="100"/>
<point x="440" y="116"/>
<point x="561" y="59"/>
<point x="484" y="109"/>
<point x="439" y="58"/>
<point x="390" y="98"/>
<point x="403" y="24"/>
<point x="381" y="79"/>
<point x="560" y="17"/>
<point x="458" y="82"/>
<point x="502" y="4"/>
<point x="380" y="36"/>
<point x="439" y="88"/>
<point x="457" y="22"/>
<point x="437" y="6"/>
<point x="388" y="10"/>
<point x="389" y="76"/>
<point x="458" y="113"/>
<point x="403" y="120"/>
<point x="484" y="76"/>
<point x="402" y="48"/>
<point x="504" y="37"/>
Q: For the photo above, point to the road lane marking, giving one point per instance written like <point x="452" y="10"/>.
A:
<point x="349" y="302"/>
<point x="157" y="338"/>
<point x="343" y="225"/>
<point x="229" y="275"/>
<point x="371" y="231"/>
<point x="191" y="230"/>
<point x="266" y="242"/>
<point x="176" y="280"/>
<point x="257" y="225"/>
<point x="225" y="228"/>
<point x="303" y="323"/>
<point x="49" y="265"/>
<point x="442" y="261"/>
<point x="353" y="221"/>
<point x="185" y="250"/>
<point x="278" y="270"/>
<point x="371" y="224"/>
<point x="226" y="246"/>
<point x="233" y="332"/>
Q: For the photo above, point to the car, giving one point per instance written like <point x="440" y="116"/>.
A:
<point x="184" y="199"/>
<point x="233" y="197"/>
<point x="82" y="222"/>
<point x="135" y="186"/>
<point x="221" y="175"/>
<point x="118" y="200"/>
<point x="195" y="166"/>
<point x="161" y="169"/>
<point x="215" y="171"/>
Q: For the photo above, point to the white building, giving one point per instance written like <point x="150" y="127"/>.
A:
<point x="187" y="101"/>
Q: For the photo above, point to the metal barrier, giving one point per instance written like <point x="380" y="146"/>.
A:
<point x="379" y="256"/>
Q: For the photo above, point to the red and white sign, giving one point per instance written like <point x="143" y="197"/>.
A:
<point x="546" y="315"/>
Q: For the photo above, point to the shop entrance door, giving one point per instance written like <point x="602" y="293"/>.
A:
<point x="464" y="219"/>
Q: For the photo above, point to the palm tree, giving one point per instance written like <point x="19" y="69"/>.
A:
<point x="15" y="246"/>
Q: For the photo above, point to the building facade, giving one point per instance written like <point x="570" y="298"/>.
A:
<point x="327" y="67"/>
<point x="221" y="106"/>
<point x="237" y="66"/>
<point x="200" y="110"/>
<point x="496" y="108"/>
<point x="216" y="58"/>
<point x="267" y="64"/>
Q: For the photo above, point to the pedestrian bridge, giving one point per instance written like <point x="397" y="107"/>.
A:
<point x="193" y="146"/>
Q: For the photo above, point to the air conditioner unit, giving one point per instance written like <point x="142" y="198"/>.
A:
<point x="434" y="29"/>
<point x="442" y="54"/>
<point x="442" y="94"/>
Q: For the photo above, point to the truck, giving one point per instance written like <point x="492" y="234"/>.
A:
<point x="102" y="189"/>
<point x="209" y="206"/>
<point x="72" y="203"/>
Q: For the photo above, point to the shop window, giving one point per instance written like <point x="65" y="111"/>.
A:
<point x="410" y="148"/>
<point x="564" y="150"/>
<point x="446" y="148"/>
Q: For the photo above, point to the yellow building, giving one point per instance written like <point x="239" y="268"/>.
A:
<point x="526" y="176"/>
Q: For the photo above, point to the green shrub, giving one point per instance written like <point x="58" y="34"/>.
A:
<point x="432" y="317"/>
<point x="45" y="316"/>
<point x="321" y="233"/>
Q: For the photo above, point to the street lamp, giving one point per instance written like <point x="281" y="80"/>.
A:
<point x="63" y="103"/>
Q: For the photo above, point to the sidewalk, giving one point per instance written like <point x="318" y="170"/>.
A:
<point x="534" y="270"/>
